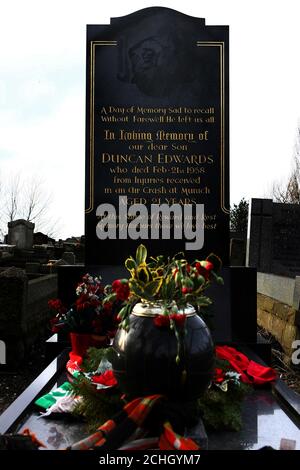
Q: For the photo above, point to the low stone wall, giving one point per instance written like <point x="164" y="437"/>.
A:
<point x="278" y="308"/>
<point x="284" y="289"/>
<point x="40" y="290"/>
<point x="279" y="319"/>
<point x="24" y="311"/>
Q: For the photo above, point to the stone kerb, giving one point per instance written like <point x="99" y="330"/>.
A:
<point x="13" y="298"/>
<point x="24" y="311"/>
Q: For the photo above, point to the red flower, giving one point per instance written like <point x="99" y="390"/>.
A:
<point x="179" y="319"/>
<point x="95" y="303"/>
<point x="56" y="304"/>
<point x="219" y="375"/>
<point x="55" y="328"/>
<point x="187" y="285"/>
<point x="107" y="306"/>
<point x="107" y="378"/>
<point x="204" y="268"/>
<point x="94" y="289"/>
<point x="116" y="284"/>
<point x="82" y="302"/>
<point x="208" y="265"/>
<point x="121" y="288"/>
<point x="85" y="301"/>
<point x="123" y="294"/>
<point x="162" y="321"/>
<point x="186" y="290"/>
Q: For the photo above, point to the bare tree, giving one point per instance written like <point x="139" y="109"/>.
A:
<point x="35" y="201"/>
<point x="289" y="191"/>
<point x="26" y="199"/>
<point x="12" y="197"/>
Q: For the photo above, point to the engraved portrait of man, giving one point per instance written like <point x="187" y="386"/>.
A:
<point x="154" y="66"/>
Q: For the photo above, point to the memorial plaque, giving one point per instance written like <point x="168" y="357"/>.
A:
<point x="157" y="133"/>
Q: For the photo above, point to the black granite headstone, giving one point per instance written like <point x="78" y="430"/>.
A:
<point x="157" y="127"/>
<point x="274" y="240"/>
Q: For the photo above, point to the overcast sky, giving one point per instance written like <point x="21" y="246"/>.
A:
<point x="42" y="90"/>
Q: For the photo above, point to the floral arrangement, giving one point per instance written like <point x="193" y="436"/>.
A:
<point x="172" y="283"/>
<point x="89" y="314"/>
<point x="220" y="406"/>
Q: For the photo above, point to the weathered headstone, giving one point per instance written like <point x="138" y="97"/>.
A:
<point x="237" y="252"/>
<point x="20" y="233"/>
<point x="157" y="128"/>
<point x="32" y="268"/>
<point x="274" y="237"/>
<point x="69" y="257"/>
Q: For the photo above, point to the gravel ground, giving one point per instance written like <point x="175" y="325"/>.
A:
<point x="12" y="384"/>
<point x="290" y="375"/>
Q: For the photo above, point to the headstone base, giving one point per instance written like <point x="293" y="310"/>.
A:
<point x="198" y="434"/>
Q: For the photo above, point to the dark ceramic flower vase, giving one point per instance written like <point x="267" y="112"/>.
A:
<point x="144" y="359"/>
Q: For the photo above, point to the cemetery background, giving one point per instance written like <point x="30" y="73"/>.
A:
<point x="42" y="94"/>
<point x="277" y="262"/>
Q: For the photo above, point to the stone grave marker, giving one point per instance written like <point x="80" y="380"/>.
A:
<point x="20" y="233"/>
<point x="274" y="239"/>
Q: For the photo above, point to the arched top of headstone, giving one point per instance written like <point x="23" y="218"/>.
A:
<point x="15" y="223"/>
<point x="152" y="12"/>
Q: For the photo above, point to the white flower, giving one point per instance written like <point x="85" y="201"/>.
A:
<point x="233" y="375"/>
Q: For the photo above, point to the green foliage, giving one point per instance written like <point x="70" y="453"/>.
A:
<point x="141" y="254"/>
<point x="239" y="217"/>
<point x="174" y="282"/>
<point x="215" y="260"/>
<point x="222" y="410"/>
<point x="96" y="406"/>
<point x="130" y="264"/>
<point x="94" y="357"/>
